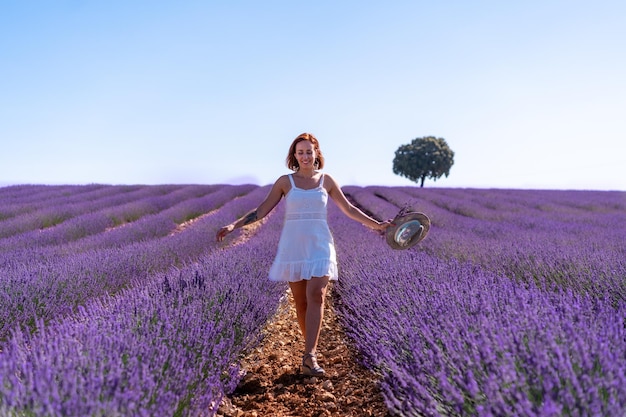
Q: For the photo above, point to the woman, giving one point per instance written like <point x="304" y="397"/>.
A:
<point x="306" y="253"/>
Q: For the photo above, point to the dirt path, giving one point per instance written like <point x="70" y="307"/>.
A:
<point x="273" y="385"/>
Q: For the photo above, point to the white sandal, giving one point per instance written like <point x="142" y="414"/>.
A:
<point x="314" y="369"/>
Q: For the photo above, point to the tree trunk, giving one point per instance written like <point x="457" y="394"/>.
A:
<point x="422" y="184"/>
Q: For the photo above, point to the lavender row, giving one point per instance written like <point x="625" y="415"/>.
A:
<point x="12" y="198"/>
<point x="17" y="199"/>
<point x="47" y="208"/>
<point x="147" y="218"/>
<point x="168" y="347"/>
<point x="165" y="222"/>
<point x="19" y="192"/>
<point x="47" y="213"/>
<point x="519" y="206"/>
<point x="577" y="243"/>
<point x="452" y="338"/>
<point x="55" y="287"/>
<point x="526" y="209"/>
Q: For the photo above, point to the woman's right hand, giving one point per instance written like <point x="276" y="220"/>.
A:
<point x="221" y="234"/>
<point x="382" y="226"/>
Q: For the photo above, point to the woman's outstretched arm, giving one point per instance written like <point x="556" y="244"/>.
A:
<point x="273" y="198"/>
<point x="334" y="191"/>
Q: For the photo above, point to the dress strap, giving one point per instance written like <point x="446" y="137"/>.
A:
<point x="322" y="181"/>
<point x="293" y="184"/>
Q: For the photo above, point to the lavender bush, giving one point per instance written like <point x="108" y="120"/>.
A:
<point x="454" y="331"/>
<point x="54" y="285"/>
<point x="142" y="219"/>
<point x="166" y="346"/>
<point x="93" y="217"/>
<point x="43" y="211"/>
<point x="513" y="305"/>
<point x="567" y="239"/>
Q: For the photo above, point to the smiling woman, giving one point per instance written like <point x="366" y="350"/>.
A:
<point x="306" y="257"/>
<point x="304" y="150"/>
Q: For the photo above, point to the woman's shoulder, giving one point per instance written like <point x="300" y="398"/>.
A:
<point x="283" y="179"/>
<point x="283" y="182"/>
<point x="328" y="177"/>
<point x="329" y="181"/>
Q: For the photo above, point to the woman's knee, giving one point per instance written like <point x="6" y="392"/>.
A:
<point x="316" y="290"/>
<point x="300" y="303"/>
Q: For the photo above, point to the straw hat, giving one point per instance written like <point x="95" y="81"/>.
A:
<point x="410" y="229"/>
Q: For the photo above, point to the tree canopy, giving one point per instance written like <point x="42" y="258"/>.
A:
<point x="426" y="157"/>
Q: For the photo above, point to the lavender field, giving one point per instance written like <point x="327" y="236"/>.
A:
<point x="117" y="301"/>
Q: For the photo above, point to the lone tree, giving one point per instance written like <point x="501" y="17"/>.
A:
<point x="427" y="157"/>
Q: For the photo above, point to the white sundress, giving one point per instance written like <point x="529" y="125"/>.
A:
<point x="306" y="247"/>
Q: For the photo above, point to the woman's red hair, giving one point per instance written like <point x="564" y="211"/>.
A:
<point x="292" y="162"/>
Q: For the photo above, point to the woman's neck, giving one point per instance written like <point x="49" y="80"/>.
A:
<point x="306" y="173"/>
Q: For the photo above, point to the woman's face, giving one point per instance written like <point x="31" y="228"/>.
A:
<point x="305" y="154"/>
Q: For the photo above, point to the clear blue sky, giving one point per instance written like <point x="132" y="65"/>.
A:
<point x="528" y="94"/>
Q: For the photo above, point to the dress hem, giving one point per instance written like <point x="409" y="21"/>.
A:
<point x="296" y="271"/>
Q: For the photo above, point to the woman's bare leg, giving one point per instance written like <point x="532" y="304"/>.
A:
<point x="298" y="290"/>
<point x="308" y="296"/>
<point x="315" y="295"/>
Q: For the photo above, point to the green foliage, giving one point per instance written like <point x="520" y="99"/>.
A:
<point x="427" y="157"/>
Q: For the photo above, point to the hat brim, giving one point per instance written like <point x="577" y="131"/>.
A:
<point x="409" y="230"/>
